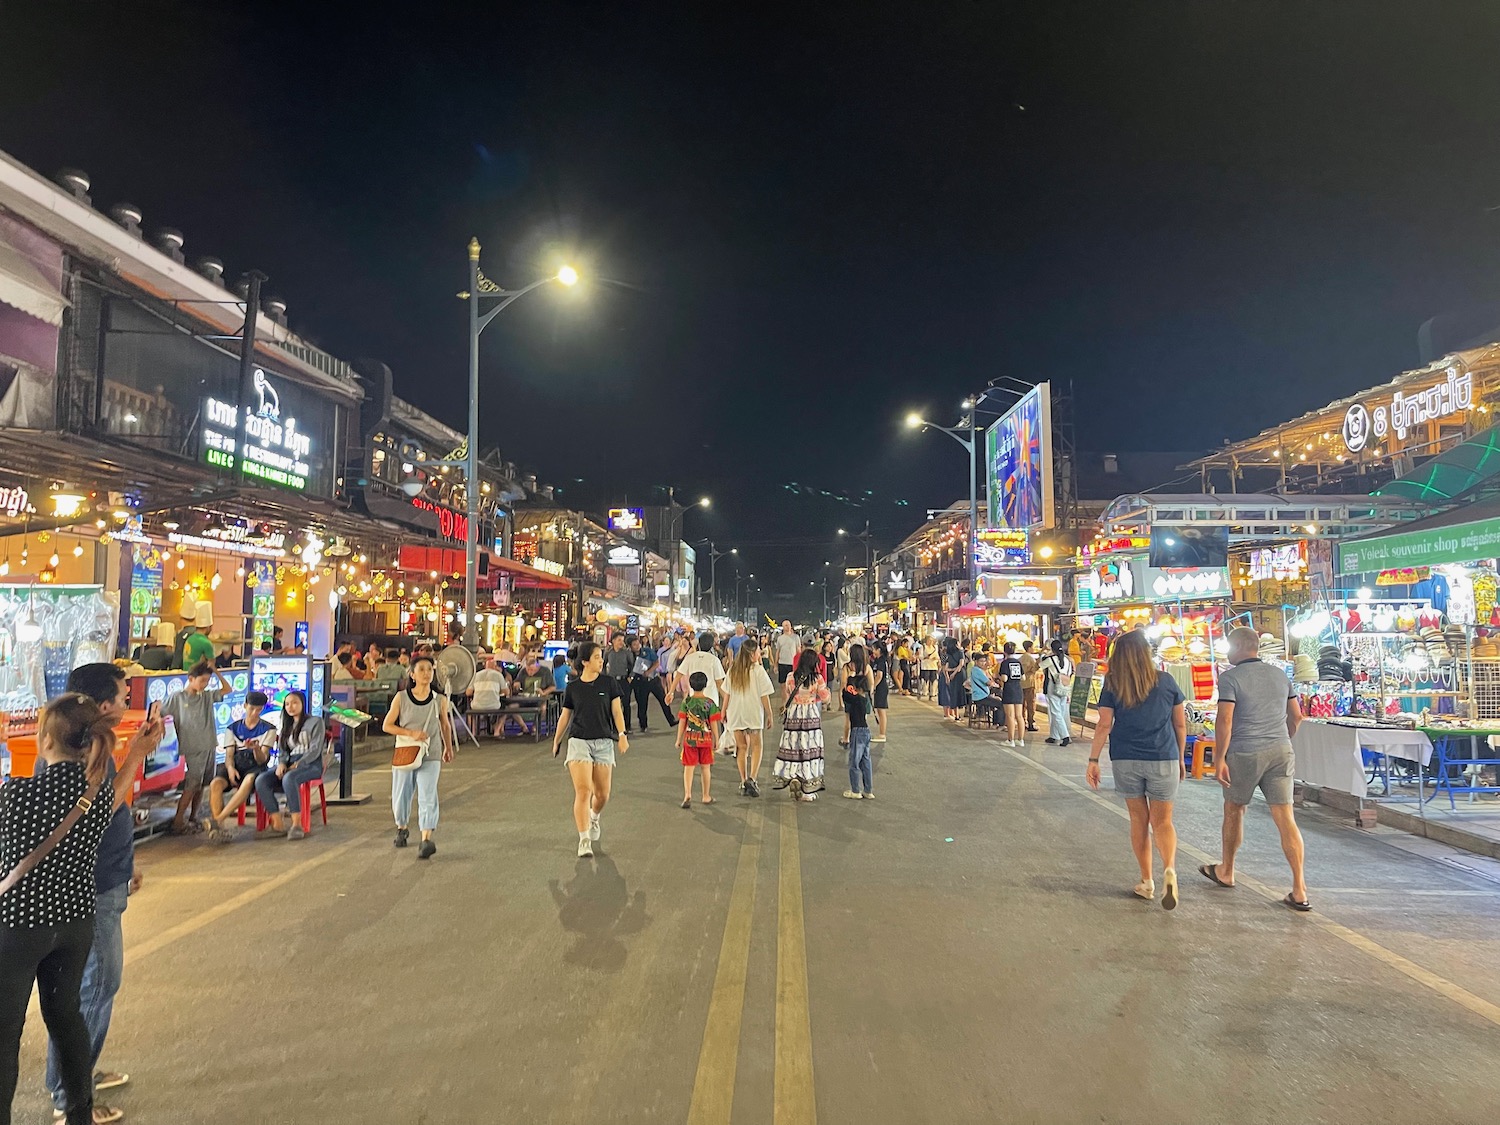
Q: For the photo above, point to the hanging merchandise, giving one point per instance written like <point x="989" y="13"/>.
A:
<point x="46" y="632"/>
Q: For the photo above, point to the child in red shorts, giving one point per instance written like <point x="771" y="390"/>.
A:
<point x="698" y="722"/>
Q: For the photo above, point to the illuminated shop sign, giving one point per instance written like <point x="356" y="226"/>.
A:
<point x="627" y="519"/>
<point x="1120" y="581"/>
<point x="1278" y="564"/>
<point x="547" y="566"/>
<point x="203" y="543"/>
<point x="1039" y="589"/>
<point x="276" y="449"/>
<point x="896" y="580"/>
<point x="1002" y="546"/>
<point x="233" y="531"/>
<point x="15" y="502"/>
<point x="451" y="525"/>
<point x="1407" y="410"/>
<point x="624" y="556"/>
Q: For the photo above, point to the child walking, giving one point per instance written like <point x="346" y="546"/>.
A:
<point x="857" y="696"/>
<point x="698" y="722"/>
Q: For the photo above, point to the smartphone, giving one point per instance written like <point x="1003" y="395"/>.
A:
<point x="153" y="711"/>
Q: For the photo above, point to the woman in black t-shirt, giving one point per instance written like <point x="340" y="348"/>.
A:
<point x="1013" y="695"/>
<point x="47" y="917"/>
<point x="593" y="722"/>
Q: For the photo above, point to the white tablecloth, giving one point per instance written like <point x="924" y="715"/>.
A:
<point x="1329" y="757"/>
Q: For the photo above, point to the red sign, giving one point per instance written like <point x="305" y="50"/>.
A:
<point x="448" y="563"/>
<point x="451" y="525"/>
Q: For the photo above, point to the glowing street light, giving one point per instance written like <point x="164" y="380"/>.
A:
<point x="568" y="276"/>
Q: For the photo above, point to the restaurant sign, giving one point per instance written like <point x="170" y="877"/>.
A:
<point x="1038" y="589"/>
<point x="1407" y="410"/>
<point x="277" y="450"/>
<point x="1119" y="581"/>
<point x="1461" y="543"/>
<point x="1002" y="546"/>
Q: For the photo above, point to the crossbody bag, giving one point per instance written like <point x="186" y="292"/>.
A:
<point x="42" y="850"/>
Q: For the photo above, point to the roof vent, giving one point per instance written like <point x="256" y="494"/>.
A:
<point x="1111" y="463"/>
<point x="211" y="268"/>
<point x="241" y="287"/>
<point x="77" y="183"/>
<point x="528" y="482"/>
<point x="169" y="241"/>
<point x="275" y="308"/>
<point x="128" y="215"/>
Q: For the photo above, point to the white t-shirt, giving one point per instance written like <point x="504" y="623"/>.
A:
<point x="788" y="645"/>
<point x="746" y="711"/>
<point x="707" y="663"/>
<point x="489" y="687"/>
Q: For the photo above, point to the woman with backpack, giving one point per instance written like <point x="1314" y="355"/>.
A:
<point x="1057" y="685"/>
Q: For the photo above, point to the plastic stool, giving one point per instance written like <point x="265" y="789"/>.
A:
<point x="263" y="817"/>
<point x="1203" y="748"/>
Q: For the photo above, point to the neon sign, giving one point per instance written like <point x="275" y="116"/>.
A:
<point x="1407" y="410"/>
<point x="451" y="525"/>
<point x="276" y="450"/>
<point x="627" y="519"/>
<point x="15" y="501"/>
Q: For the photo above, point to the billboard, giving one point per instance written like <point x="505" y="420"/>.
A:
<point x="627" y="519"/>
<point x="1018" y="463"/>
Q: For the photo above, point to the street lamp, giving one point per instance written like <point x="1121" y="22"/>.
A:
<point x="869" y="569"/>
<point x="481" y="286"/>
<point x="971" y="444"/>
<point x="674" y="521"/>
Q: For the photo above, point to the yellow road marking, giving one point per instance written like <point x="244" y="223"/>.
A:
<point x="713" y="1085"/>
<point x="166" y="937"/>
<point x="793" y="1100"/>
<point x="1441" y="985"/>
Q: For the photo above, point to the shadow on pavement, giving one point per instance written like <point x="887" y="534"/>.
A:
<point x="598" y="909"/>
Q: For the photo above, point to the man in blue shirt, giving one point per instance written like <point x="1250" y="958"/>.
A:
<point x="247" y="750"/>
<point x="738" y="639"/>
<point x="114" y="880"/>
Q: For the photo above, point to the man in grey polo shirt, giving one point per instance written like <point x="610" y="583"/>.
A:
<point x="1257" y="717"/>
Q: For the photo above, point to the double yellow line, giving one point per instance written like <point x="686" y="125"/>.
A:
<point x="713" y="1085"/>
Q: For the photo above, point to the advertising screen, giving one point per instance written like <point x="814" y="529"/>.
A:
<point x="277" y="674"/>
<point x="1018" y="463"/>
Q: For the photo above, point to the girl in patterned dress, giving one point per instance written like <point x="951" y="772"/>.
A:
<point x="799" y="759"/>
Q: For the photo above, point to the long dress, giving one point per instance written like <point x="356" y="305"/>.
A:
<point x="799" y="758"/>
<point x="948" y="692"/>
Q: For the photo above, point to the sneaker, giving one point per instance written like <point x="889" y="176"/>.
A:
<point x="427" y="850"/>
<point x="585" y="847"/>
<point x="745" y="787"/>
<point x="110" y="1080"/>
<point x="295" y="832"/>
<point x="852" y="795"/>
<point x="869" y="796"/>
<point x="402" y="836"/>
<point x="754" y="786"/>
<point x="1066" y="742"/>
<point x="1050" y="741"/>
<point x="593" y="826"/>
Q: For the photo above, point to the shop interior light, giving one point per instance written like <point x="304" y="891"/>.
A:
<point x="99" y="523"/>
<point x="54" y="560"/>
<point x="120" y="515"/>
<point x="181" y="562"/>
<point x="78" y="550"/>
<point x="66" y="504"/>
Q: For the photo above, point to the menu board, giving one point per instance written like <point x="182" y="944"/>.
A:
<point x="145" y="591"/>
<point x="1078" y="702"/>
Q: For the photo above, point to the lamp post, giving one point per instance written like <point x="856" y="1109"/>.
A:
<point x="714" y="555"/>
<point x="481" y="286"/>
<point x="675" y="513"/>
<point x="971" y="444"/>
<point x="869" y="570"/>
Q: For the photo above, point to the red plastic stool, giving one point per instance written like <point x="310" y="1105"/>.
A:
<point x="263" y="818"/>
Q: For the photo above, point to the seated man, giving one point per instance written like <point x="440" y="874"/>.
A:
<point x="981" y="688"/>
<point x="247" y="749"/>
<point x="534" y="679"/>
<point x="487" y="690"/>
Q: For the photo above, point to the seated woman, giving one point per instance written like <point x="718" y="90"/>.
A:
<point x="981" y="688"/>
<point x="299" y="759"/>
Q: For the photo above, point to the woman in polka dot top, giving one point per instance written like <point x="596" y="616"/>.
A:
<point x="47" y="919"/>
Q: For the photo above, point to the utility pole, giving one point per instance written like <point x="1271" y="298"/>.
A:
<point x="247" y="367"/>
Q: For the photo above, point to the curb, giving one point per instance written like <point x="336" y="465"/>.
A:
<point x="1406" y="822"/>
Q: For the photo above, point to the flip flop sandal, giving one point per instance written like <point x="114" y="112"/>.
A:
<point x="687" y="803"/>
<point x="1210" y="871"/>
<point x="708" y="801"/>
<point x="1300" y="907"/>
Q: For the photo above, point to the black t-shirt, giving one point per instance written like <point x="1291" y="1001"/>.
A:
<point x="856" y="706"/>
<point x="590" y="701"/>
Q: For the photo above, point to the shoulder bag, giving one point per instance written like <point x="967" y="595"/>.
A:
<point x="41" y="851"/>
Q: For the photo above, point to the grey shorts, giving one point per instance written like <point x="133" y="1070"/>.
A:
<point x="1270" y="771"/>
<point x="600" y="751"/>
<point x="1156" y="780"/>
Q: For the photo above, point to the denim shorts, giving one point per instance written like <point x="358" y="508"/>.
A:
<point x="1157" y="780"/>
<point x="600" y="751"/>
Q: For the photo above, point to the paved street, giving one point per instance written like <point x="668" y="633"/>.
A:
<point x="962" y="949"/>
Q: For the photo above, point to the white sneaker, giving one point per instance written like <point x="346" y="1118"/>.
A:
<point x="853" y="796"/>
<point x="593" y="826"/>
<point x="585" y="847"/>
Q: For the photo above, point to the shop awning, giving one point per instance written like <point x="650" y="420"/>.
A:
<point x="1455" y="473"/>
<point x="969" y="609"/>
<point x="1465" y="534"/>
<point x="525" y="577"/>
<point x="24" y="287"/>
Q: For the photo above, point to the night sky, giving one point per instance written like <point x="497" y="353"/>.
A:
<point x="801" y="222"/>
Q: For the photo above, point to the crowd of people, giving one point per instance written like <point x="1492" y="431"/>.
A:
<point x="66" y="834"/>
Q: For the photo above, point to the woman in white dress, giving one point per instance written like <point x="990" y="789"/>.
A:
<point x="748" y="712"/>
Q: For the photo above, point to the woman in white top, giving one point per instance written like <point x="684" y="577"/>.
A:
<point x="747" y="712"/>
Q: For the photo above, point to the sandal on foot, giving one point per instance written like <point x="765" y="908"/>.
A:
<point x="1210" y="871"/>
<point x="1145" y="890"/>
<point x="707" y="801"/>
<point x="1301" y="907"/>
<point x="687" y="802"/>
